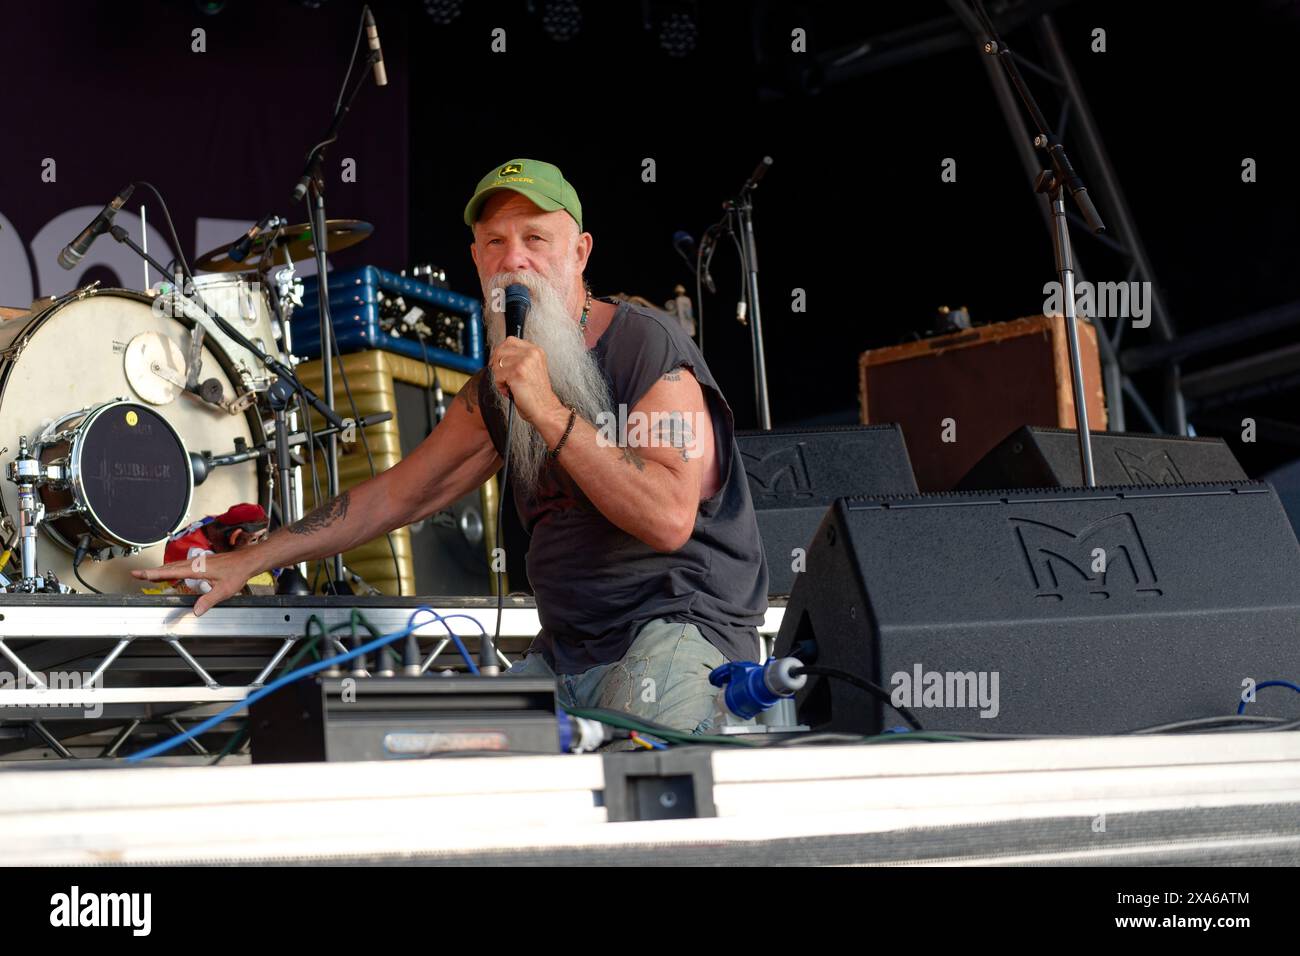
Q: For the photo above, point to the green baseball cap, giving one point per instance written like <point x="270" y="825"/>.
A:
<point x="542" y="183"/>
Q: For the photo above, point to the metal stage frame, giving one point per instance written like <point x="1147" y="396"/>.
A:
<point x="1266" y="369"/>
<point x="151" y="664"/>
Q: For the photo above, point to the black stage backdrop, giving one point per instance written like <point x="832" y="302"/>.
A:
<point x="115" y="92"/>
<point x="853" y="212"/>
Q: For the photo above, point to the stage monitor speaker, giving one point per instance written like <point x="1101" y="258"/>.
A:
<point x="796" y="473"/>
<point x="1033" y="457"/>
<point x="1058" y="611"/>
<point x="1285" y="480"/>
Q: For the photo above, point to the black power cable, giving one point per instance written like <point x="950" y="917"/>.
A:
<point x="875" y="690"/>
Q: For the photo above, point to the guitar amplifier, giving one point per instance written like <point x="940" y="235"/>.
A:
<point x="446" y="554"/>
<point x="956" y="396"/>
<point x="453" y="323"/>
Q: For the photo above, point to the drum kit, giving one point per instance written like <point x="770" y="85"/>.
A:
<point x="130" y="411"/>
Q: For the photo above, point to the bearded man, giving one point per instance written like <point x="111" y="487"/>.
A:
<point x="644" y="552"/>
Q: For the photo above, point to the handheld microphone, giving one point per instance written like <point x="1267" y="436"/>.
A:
<point x="74" y="250"/>
<point x="518" y="301"/>
<point x="239" y="251"/>
<point x="372" y="38"/>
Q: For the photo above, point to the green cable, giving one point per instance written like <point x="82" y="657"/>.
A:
<point x="628" y="722"/>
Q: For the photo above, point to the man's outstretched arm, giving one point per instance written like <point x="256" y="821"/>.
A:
<point x="455" y="458"/>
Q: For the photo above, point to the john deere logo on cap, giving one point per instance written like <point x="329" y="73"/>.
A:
<point x="509" y="169"/>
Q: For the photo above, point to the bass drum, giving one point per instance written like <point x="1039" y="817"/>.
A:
<point x="82" y="352"/>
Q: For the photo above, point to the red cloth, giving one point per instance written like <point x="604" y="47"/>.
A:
<point x="179" y="550"/>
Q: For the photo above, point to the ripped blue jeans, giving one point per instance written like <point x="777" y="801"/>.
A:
<point x="663" y="677"/>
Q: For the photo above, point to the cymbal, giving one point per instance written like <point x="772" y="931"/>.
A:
<point x="296" y="239"/>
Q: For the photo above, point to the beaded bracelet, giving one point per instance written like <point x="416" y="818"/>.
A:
<point x="573" y="415"/>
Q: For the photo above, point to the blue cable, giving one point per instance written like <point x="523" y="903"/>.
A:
<point x="289" y="678"/>
<point x="1241" y="707"/>
<point x="473" y="668"/>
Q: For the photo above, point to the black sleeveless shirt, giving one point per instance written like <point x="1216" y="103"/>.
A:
<point x="595" y="584"/>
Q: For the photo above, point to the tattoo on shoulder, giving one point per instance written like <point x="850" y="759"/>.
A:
<point x="336" y="509"/>
<point x="631" y="456"/>
<point x="674" y="374"/>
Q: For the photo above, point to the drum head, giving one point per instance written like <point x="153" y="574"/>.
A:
<point x="134" y="473"/>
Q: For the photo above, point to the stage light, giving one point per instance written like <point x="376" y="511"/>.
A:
<point x="443" y="11"/>
<point x="209" y="8"/>
<point x="562" y="19"/>
<point x="677" y="34"/>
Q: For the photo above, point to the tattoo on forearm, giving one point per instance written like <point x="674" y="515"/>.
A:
<point x="336" y="509"/>
<point x="631" y="457"/>
<point x="675" y="431"/>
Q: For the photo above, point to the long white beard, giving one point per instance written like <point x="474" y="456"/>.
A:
<point x="575" y="377"/>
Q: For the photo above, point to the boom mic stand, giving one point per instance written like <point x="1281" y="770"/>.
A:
<point x="311" y="187"/>
<point x="738" y="222"/>
<point x="1053" y="182"/>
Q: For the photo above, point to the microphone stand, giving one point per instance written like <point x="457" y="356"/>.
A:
<point x="738" y="221"/>
<point x="311" y="186"/>
<point x="1053" y="182"/>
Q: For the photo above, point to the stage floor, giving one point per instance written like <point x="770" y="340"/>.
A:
<point x="1224" y="798"/>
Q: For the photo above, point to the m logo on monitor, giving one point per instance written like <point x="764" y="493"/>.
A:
<point x="783" y="471"/>
<point x="1103" y="559"/>
<point x="1158" y="469"/>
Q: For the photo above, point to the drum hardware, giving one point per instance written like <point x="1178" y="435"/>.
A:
<point x="288" y="289"/>
<point x="365" y="587"/>
<point x="26" y="472"/>
<point x="210" y="391"/>
<point x="273" y="365"/>
<point x="294" y="440"/>
<point x="296" y="241"/>
<point x="213" y="298"/>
